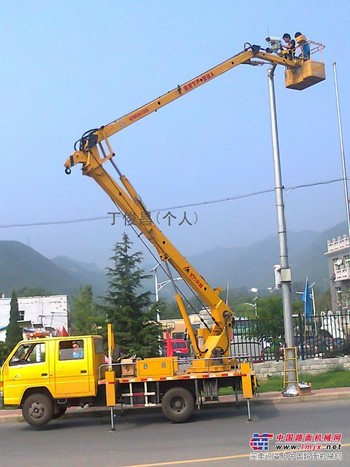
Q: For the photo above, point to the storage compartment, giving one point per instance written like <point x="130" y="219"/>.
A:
<point x="128" y="367"/>
<point x="162" y="366"/>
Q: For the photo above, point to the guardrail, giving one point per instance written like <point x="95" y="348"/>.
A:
<point x="327" y="334"/>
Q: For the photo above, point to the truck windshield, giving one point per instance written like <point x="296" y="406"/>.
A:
<point x="33" y="352"/>
<point x="179" y="345"/>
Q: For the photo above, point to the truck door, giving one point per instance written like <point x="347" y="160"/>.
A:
<point x="72" y="378"/>
<point x="28" y="368"/>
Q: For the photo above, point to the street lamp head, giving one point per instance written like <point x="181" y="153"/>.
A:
<point x="254" y="290"/>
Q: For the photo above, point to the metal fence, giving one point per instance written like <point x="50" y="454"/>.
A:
<point x="324" y="335"/>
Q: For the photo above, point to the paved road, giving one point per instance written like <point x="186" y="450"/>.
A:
<point x="216" y="436"/>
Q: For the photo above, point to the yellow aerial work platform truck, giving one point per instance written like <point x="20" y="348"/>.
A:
<point x="47" y="375"/>
<point x="44" y="377"/>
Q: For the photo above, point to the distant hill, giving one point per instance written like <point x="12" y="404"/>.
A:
<point x="85" y="273"/>
<point x="252" y="266"/>
<point x="21" y="266"/>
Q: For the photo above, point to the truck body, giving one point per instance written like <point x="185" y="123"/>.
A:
<point x="44" y="377"/>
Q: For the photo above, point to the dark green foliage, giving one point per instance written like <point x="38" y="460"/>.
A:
<point x="270" y="322"/>
<point x="32" y="292"/>
<point x="128" y="308"/>
<point x="86" y="316"/>
<point x="3" y="352"/>
<point x="270" y="309"/>
<point x="323" y="300"/>
<point x="13" y="332"/>
<point x="168" y="310"/>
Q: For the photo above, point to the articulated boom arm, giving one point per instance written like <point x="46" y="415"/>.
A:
<point x="94" y="150"/>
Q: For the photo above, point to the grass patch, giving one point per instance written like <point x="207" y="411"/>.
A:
<point x="329" y="379"/>
<point x="271" y="384"/>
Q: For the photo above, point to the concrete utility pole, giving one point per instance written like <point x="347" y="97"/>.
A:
<point x="285" y="272"/>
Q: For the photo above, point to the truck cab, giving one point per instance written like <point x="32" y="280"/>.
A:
<point x="44" y="376"/>
<point x="179" y="347"/>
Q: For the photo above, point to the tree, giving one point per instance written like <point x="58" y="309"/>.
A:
<point x="128" y="307"/>
<point x="32" y="292"/>
<point x="168" y="310"/>
<point x="323" y="300"/>
<point x="3" y="352"/>
<point x="86" y="316"/>
<point x="14" y="332"/>
<point x="270" y="322"/>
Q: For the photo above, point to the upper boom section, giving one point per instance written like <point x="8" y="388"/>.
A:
<point x="254" y="55"/>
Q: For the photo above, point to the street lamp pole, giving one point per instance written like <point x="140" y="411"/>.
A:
<point x="157" y="287"/>
<point x="342" y="150"/>
<point x="291" y="373"/>
<point x="255" y="291"/>
<point x="253" y="305"/>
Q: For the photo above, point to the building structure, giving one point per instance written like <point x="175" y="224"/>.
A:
<point x="51" y="312"/>
<point x="177" y="327"/>
<point x="338" y="253"/>
<point x="3" y="333"/>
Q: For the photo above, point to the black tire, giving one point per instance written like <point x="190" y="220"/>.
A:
<point x="60" y="412"/>
<point x="37" y="410"/>
<point x="178" y="405"/>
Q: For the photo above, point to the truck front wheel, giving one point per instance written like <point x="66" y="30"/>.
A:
<point x="178" y="404"/>
<point x="37" y="410"/>
<point x="59" y="413"/>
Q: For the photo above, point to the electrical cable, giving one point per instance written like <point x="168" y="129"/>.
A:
<point x="181" y="206"/>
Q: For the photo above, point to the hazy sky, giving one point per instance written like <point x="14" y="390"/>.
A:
<point x="69" y="66"/>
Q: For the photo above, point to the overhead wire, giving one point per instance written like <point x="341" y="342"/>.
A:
<point x="140" y="235"/>
<point x="180" y="206"/>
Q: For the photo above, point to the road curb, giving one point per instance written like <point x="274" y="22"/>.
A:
<point x="301" y="399"/>
<point x="5" y="418"/>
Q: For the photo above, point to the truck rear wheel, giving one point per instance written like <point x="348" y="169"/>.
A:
<point x="37" y="410"/>
<point x="178" y="404"/>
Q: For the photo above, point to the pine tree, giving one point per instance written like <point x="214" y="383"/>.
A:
<point x="86" y="315"/>
<point x="3" y="354"/>
<point x="13" y="332"/>
<point x="128" y="307"/>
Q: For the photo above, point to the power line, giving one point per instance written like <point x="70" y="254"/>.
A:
<point x="181" y="206"/>
<point x="72" y="221"/>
